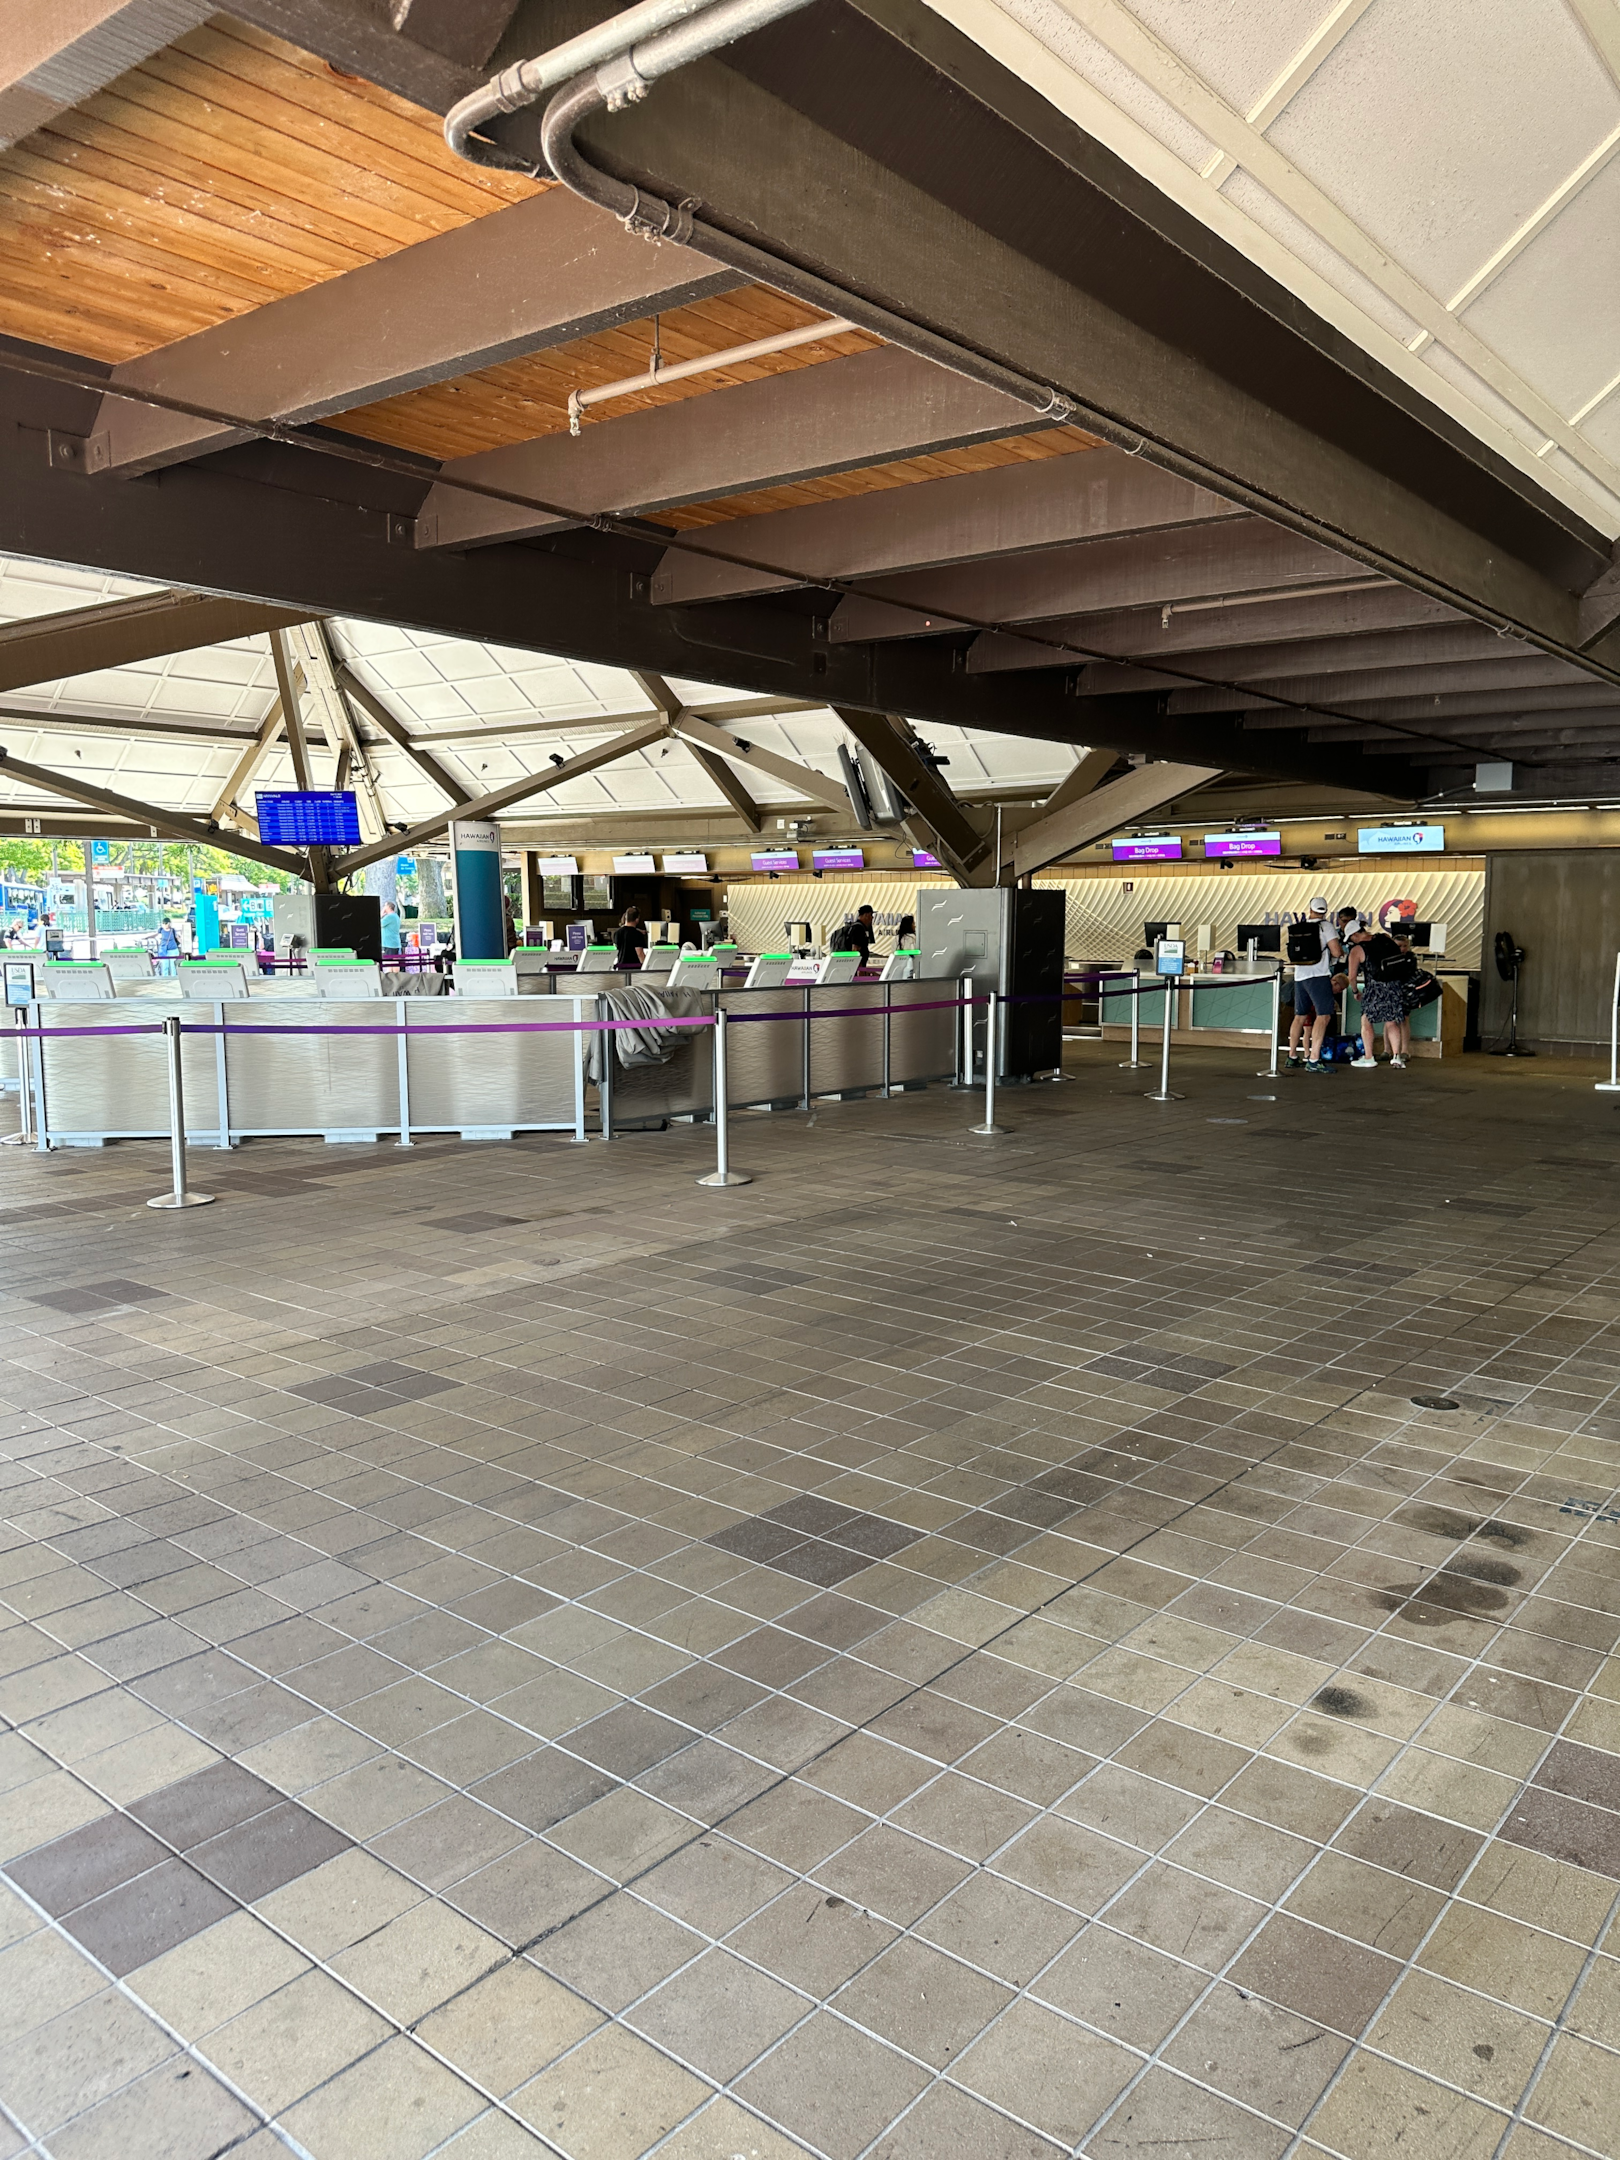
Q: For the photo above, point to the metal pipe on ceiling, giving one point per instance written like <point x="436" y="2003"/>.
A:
<point x="705" y="364"/>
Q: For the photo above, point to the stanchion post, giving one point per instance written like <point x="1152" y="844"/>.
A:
<point x="1172" y="983"/>
<point x="722" y="1173"/>
<point x="964" y="1034"/>
<point x="24" y="1132"/>
<point x="180" y="1197"/>
<point x="1270" y="1072"/>
<point x="1611" y="1086"/>
<point x="990" y="1129"/>
<point x="1134" y="1061"/>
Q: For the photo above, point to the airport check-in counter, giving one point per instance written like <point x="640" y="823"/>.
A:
<point x="1226" y="1009"/>
<point x="779" y="1064"/>
<point x="257" y="1068"/>
<point x="258" y="1072"/>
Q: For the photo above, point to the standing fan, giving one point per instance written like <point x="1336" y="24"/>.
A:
<point x="1509" y="959"/>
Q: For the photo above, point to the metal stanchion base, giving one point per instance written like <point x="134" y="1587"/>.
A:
<point x="726" y="1177"/>
<point x="1158" y="1095"/>
<point x="182" y="1199"/>
<point x="1603" y="1087"/>
<point x="990" y="1132"/>
<point x="1135" y="1064"/>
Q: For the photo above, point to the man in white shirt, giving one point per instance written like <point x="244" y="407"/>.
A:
<point x="1313" y="984"/>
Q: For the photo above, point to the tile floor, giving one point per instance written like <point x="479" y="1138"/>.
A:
<point x="958" y="1648"/>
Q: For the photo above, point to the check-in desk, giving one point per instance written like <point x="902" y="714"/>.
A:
<point x="287" y="1062"/>
<point x="780" y="1063"/>
<point x="1216" y="1010"/>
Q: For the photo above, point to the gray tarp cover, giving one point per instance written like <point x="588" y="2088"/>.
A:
<point x="649" y="1045"/>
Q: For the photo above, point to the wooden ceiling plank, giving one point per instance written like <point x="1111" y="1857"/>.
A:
<point x="229" y="102"/>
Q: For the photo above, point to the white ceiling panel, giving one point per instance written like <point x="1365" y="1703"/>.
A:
<point x="1440" y="179"/>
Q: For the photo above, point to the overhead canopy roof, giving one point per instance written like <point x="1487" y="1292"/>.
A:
<point x="1177" y="465"/>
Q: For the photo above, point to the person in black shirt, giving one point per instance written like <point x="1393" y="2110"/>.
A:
<point x="631" y="938"/>
<point x="856" y="937"/>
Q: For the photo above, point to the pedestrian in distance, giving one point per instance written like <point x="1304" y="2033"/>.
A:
<point x="1314" y="950"/>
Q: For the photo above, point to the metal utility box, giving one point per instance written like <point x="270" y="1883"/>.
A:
<point x="1011" y="940"/>
<point x="350" y="921"/>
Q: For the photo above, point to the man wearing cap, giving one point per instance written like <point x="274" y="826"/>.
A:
<point x="1314" y="950"/>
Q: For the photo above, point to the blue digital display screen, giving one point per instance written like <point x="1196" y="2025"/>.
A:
<point x="316" y="818"/>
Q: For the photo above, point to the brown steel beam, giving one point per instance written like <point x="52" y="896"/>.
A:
<point x="533" y="275"/>
<point x="383" y="720"/>
<point x="894" y="747"/>
<point x="720" y="775"/>
<point x="803" y="777"/>
<point x="1140" y="634"/>
<point x="1090" y="771"/>
<point x="291" y="712"/>
<point x="1515" y="671"/>
<point x="171" y="824"/>
<point x="485" y="806"/>
<point x="964" y="518"/>
<point x="56" y="53"/>
<point x="864" y="409"/>
<point x="1121" y="802"/>
<point x="227" y="803"/>
<point x="1229" y="555"/>
<point x="79" y="641"/>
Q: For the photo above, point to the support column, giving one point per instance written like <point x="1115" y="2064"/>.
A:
<point x="533" y="891"/>
<point x="475" y="871"/>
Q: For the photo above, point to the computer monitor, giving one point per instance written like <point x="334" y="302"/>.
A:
<point x="1418" y="932"/>
<point x="1153" y="931"/>
<point x="1264" y="937"/>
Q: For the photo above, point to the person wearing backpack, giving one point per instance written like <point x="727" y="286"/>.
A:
<point x="1314" y="949"/>
<point x="1386" y="968"/>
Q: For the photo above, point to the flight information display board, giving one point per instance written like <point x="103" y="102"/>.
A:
<point x="316" y="817"/>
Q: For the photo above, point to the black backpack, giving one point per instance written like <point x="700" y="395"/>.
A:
<point x="1386" y="963"/>
<point x="1307" y="942"/>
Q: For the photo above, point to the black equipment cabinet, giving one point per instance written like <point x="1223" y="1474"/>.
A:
<point x="1033" y="969"/>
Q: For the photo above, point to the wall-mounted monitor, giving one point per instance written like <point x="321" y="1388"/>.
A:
<point x="922" y="860"/>
<point x="312" y="817"/>
<point x="686" y="865"/>
<point x="634" y="866"/>
<point x="1158" y="847"/>
<point x="838" y="858"/>
<point x="1230" y="846"/>
<point x="776" y="859"/>
<point x="1401" y="840"/>
<point x="556" y="866"/>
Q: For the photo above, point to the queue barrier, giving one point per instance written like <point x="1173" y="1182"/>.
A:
<point x="1611" y="1086"/>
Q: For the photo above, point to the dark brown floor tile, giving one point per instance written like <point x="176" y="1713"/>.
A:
<point x="1566" y="1829"/>
<point x="142" y="1919"/>
<point x="1584" y="1773"/>
<point x="274" y="1848"/>
<point x="74" y="1869"/>
<point x="772" y="1657"/>
<point x="1325" y="1979"/>
<point x="199" y="1807"/>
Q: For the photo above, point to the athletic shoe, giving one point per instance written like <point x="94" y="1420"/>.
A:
<point x="1400" y="1062"/>
<point x="1363" y="1064"/>
<point x="1316" y="1065"/>
<point x="1294" y="1063"/>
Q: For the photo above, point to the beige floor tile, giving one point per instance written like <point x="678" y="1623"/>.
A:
<point x="1500" y="1957"/>
<point x="1460" y="2036"/>
<point x="1370" y="1905"/>
<point x="1378" y="2108"/>
<point x="725" y="2131"/>
<point x="396" y="2104"/>
<point x="1545" y="1893"/>
<point x="418" y="1961"/>
<point x="338" y="1903"/>
<point x="610" y="2099"/>
<point x="78" y="2057"/>
<point x="1578" y="2093"/>
<point x="1046" y="2071"/>
<point x="201" y="1983"/>
<point x="294" y="2040"/>
<point x="832" y="2087"/>
<point x="310" y="1754"/>
<point x="139" y="1766"/>
<point x="624" y="1834"/>
<point x="500" y="2031"/>
<point x="40" y="1977"/>
<point x="1461" y="1791"/>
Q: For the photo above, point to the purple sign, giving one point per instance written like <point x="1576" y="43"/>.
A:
<point x="1166" y="847"/>
<point x="776" y="859"/>
<point x="837" y="858"/>
<point x="922" y="860"/>
<point x="1223" y="846"/>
